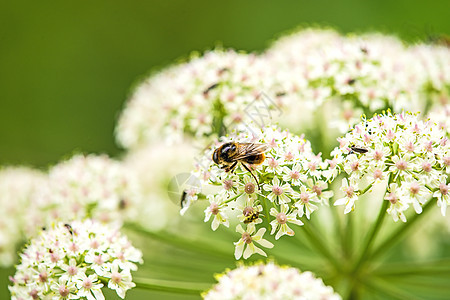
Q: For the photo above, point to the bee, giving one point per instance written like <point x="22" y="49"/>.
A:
<point x="230" y="154"/>
<point x="358" y="150"/>
<point x="251" y="217"/>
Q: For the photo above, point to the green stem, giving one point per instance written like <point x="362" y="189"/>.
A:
<point x="370" y="239"/>
<point x="233" y="198"/>
<point x="338" y="229"/>
<point x="266" y="211"/>
<point x="398" y="234"/>
<point x="362" y="192"/>
<point x="391" y="291"/>
<point x="320" y="246"/>
<point x="414" y="268"/>
<point x="170" y="286"/>
<point x="348" y="236"/>
<point x="181" y="242"/>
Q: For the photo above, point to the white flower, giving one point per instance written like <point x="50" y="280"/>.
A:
<point x="443" y="195"/>
<point x="281" y="218"/>
<point x="89" y="287"/>
<point x="416" y="193"/>
<point x="64" y="289"/>
<point x="119" y="280"/>
<point x="247" y="241"/>
<point x="336" y="78"/>
<point x="87" y="187"/>
<point x="350" y="191"/>
<point x="304" y="204"/>
<point x="17" y="185"/>
<point x="88" y="252"/>
<point x="269" y="281"/>
<point x="295" y="175"/>
<point x="291" y="173"/>
<point x="155" y="209"/>
<point x="398" y="148"/>
<point x="397" y="206"/>
<point x="278" y="191"/>
<point x="197" y="98"/>
<point x="214" y="208"/>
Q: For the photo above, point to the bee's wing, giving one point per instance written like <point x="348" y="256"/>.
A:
<point x="250" y="149"/>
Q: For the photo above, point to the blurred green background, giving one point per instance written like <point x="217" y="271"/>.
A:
<point x="66" y="67"/>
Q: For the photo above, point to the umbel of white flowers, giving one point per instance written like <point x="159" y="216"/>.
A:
<point x="269" y="281"/>
<point x="301" y="73"/>
<point x="293" y="184"/>
<point x="411" y="157"/>
<point x="71" y="261"/>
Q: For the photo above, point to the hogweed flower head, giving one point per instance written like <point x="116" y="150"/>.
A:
<point x="71" y="261"/>
<point x="86" y="187"/>
<point x="291" y="183"/>
<point x="269" y="281"/>
<point x="408" y="153"/>
<point x="199" y="98"/>
<point x="17" y="185"/>
<point x="351" y="75"/>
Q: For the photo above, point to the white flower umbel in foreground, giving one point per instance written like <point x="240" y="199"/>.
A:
<point x="291" y="184"/>
<point x="17" y="185"/>
<point x="86" y="187"/>
<point x="269" y="282"/>
<point x="409" y="155"/>
<point x="71" y="261"/>
<point x="198" y="98"/>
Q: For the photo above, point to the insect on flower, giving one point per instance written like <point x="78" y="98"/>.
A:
<point x="251" y="217"/>
<point x="230" y="154"/>
<point x="358" y="150"/>
<point x="69" y="228"/>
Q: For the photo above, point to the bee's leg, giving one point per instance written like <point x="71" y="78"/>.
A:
<point x="248" y="169"/>
<point x="231" y="168"/>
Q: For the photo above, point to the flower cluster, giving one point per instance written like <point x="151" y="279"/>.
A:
<point x="199" y="98"/>
<point x="411" y="155"/>
<point x="71" y="261"/>
<point x="288" y="185"/>
<point x="269" y="281"/>
<point x="441" y="116"/>
<point x="85" y="187"/>
<point x="357" y="74"/>
<point x="17" y="185"/>
<point x="153" y="166"/>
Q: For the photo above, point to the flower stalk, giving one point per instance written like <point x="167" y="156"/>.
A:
<point x="171" y="286"/>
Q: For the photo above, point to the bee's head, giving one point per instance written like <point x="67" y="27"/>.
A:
<point x="224" y="152"/>
<point x="215" y="156"/>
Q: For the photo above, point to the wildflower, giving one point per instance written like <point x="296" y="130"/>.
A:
<point x="17" y="186"/>
<point x="400" y="149"/>
<point x="198" y="98"/>
<point x="298" y="178"/>
<point x="282" y="217"/>
<point x="87" y="187"/>
<point x="278" y="191"/>
<point x="339" y="77"/>
<point x="350" y="192"/>
<point x="214" y="208"/>
<point x="269" y="281"/>
<point x="247" y="241"/>
<point x="443" y="195"/>
<point x="92" y="256"/>
<point x="397" y="204"/>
